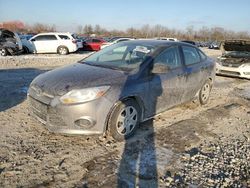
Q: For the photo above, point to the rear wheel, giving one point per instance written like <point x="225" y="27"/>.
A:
<point x="62" y="50"/>
<point x="205" y="92"/>
<point x="4" y="52"/>
<point x="124" y="120"/>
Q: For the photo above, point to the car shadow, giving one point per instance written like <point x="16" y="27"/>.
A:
<point x="14" y="85"/>
<point x="84" y="51"/>
<point x="138" y="164"/>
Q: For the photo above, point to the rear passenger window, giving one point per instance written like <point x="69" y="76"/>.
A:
<point x="191" y="55"/>
<point x="169" y="57"/>
<point x="64" y="37"/>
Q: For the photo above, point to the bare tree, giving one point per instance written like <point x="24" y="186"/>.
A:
<point x="79" y="29"/>
<point x="88" y="29"/>
<point x="39" y="28"/>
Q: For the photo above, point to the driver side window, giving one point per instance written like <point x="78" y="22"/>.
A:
<point x="169" y="57"/>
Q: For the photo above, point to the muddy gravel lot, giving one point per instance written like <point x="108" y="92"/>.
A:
<point x="187" y="146"/>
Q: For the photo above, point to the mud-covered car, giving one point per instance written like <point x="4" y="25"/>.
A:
<point x="10" y="43"/>
<point x="235" y="59"/>
<point x="115" y="89"/>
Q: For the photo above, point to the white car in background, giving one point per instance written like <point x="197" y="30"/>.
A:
<point x="235" y="59"/>
<point x="61" y="43"/>
<point x="168" y="39"/>
<point x="115" y="41"/>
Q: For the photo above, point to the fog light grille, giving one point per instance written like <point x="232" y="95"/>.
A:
<point x="85" y="123"/>
<point x="246" y="73"/>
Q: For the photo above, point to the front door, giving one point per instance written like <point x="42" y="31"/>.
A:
<point x="167" y="89"/>
<point x="45" y="44"/>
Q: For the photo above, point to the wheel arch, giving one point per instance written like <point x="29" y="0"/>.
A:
<point x="137" y="99"/>
<point x="57" y="50"/>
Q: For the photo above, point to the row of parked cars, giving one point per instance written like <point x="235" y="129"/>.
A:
<point x="63" y="43"/>
<point x="54" y="42"/>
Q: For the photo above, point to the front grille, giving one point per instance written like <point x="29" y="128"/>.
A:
<point x="230" y="73"/>
<point x="39" y="109"/>
<point x="46" y="113"/>
<point x="235" y="65"/>
<point x="54" y="118"/>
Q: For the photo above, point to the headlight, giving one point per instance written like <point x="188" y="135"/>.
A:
<point x="83" y="95"/>
<point x="246" y="65"/>
<point x="218" y="62"/>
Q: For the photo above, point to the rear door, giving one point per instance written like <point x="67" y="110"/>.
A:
<point x="194" y="71"/>
<point x="167" y="89"/>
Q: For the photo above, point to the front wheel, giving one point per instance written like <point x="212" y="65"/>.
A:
<point x="124" y="120"/>
<point x="205" y="92"/>
<point x="25" y="50"/>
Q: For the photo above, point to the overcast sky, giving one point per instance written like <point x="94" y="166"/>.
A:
<point x="121" y="14"/>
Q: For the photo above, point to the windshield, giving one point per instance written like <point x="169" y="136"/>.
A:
<point x="123" y="56"/>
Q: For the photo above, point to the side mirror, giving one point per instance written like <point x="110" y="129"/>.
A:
<point x="160" y="68"/>
<point x="33" y="40"/>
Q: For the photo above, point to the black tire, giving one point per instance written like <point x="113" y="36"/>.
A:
<point x="4" y="52"/>
<point x="62" y="50"/>
<point x="131" y="112"/>
<point x="25" y="50"/>
<point x="205" y="92"/>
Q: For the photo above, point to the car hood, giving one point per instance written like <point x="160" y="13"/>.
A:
<point x="236" y="45"/>
<point x="76" y="76"/>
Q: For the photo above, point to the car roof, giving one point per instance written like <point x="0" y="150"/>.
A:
<point x="153" y="42"/>
<point x="55" y="33"/>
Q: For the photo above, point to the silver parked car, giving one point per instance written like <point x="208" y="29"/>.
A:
<point x="115" y="89"/>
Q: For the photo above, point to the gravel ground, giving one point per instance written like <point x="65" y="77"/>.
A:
<point x="187" y="146"/>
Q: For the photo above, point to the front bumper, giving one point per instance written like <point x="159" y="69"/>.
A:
<point x="233" y="71"/>
<point x="87" y="118"/>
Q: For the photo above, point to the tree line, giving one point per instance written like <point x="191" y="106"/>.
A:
<point x="148" y="31"/>
<point x="145" y="31"/>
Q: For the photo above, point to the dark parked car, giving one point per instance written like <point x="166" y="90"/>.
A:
<point x="115" y="89"/>
<point x="10" y="43"/>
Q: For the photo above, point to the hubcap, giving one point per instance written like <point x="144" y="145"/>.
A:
<point x="127" y="120"/>
<point x="205" y="92"/>
<point x="2" y="52"/>
<point x="62" y="51"/>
